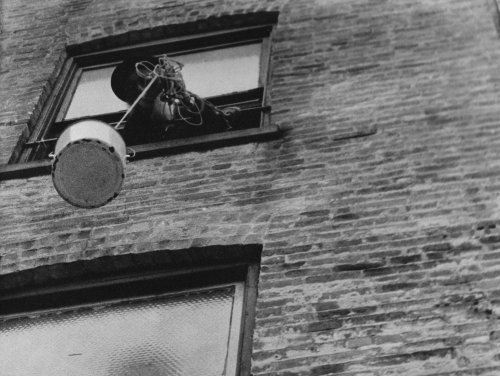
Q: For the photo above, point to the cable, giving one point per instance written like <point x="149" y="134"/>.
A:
<point x="198" y="112"/>
<point x="179" y="104"/>
<point x="174" y="89"/>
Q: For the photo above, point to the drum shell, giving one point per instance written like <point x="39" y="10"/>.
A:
<point x="88" y="167"/>
<point x="93" y="130"/>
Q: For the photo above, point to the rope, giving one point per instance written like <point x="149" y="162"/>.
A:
<point x="119" y="126"/>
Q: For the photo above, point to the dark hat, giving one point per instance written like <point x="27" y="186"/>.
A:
<point x="125" y="82"/>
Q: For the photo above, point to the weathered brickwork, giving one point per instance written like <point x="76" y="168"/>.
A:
<point x="378" y="209"/>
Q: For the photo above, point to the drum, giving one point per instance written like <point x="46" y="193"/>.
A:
<point x="88" y="165"/>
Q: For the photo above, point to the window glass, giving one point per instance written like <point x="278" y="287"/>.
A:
<point x="190" y="334"/>
<point x="93" y="95"/>
<point x="222" y="71"/>
<point x="207" y="73"/>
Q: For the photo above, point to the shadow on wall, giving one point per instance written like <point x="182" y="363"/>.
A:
<point x="496" y="14"/>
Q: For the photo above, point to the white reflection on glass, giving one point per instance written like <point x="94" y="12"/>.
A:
<point x="93" y="95"/>
<point x="183" y="335"/>
<point x="221" y="71"/>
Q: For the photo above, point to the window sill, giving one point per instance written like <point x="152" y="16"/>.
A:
<point x="205" y="142"/>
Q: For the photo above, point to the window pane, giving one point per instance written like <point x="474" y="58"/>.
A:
<point x="207" y="74"/>
<point x="222" y="71"/>
<point x="94" y="96"/>
<point x="182" y="335"/>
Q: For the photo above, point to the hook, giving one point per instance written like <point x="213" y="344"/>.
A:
<point x="130" y="155"/>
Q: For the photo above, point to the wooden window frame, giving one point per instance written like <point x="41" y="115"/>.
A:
<point x="74" y="65"/>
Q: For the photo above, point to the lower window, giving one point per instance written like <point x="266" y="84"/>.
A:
<point x="184" y="330"/>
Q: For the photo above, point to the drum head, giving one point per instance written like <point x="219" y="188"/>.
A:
<point x="88" y="173"/>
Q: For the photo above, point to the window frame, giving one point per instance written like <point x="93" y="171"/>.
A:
<point x="74" y="65"/>
<point x="140" y="285"/>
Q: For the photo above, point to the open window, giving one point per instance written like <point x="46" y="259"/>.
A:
<point x="228" y="69"/>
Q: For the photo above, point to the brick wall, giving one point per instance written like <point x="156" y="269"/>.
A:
<point x="378" y="211"/>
